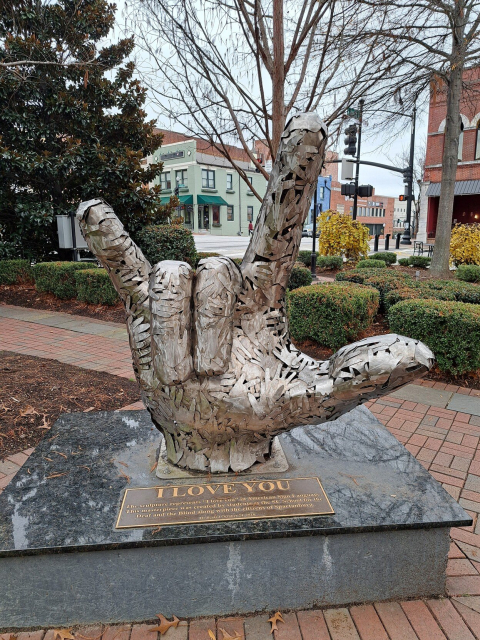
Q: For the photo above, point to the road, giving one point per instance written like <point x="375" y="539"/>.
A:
<point x="235" y="246"/>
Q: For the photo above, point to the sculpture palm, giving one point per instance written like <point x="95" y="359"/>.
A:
<point x="211" y="349"/>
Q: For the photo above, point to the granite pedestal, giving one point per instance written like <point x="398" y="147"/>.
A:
<point x="63" y="562"/>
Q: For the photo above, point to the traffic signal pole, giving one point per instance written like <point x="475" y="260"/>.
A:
<point x="357" y="172"/>
<point x="406" y="237"/>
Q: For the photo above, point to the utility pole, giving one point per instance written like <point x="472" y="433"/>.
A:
<point x="406" y="238"/>
<point x="313" y="261"/>
<point x="357" y="172"/>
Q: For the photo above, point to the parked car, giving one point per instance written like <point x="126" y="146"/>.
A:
<point x="307" y="231"/>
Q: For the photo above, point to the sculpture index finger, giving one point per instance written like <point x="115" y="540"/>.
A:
<point x="278" y="231"/>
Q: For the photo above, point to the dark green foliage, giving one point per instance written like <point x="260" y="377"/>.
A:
<point x="15" y="272"/>
<point x="387" y="256"/>
<point x="371" y="264"/>
<point x="299" y="277"/>
<point x="70" y="132"/>
<point x="404" y="262"/>
<point x="95" y="286"/>
<point x="306" y="257"/>
<point x="58" y="277"/>
<point x="448" y="290"/>
<point x="468" y="272"/>
<point x="329" y="262"/>
<point x="332" y="314"/>
<point x="167" y="242"/>
<point x="419" y="262"/>
<point x="450" y="329"/>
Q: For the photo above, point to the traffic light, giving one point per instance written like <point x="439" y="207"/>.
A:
<point x="365" y="190"/>
<point x="350" y="140"/>
<point x="348" y="189"/>
<point x="176" y="191"/>
<point x="403" y="198"/>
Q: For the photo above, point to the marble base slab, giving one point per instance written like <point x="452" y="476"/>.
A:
<point x="62" y="562"/>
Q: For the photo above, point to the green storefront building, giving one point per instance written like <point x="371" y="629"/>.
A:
<point x="213" y="197"/>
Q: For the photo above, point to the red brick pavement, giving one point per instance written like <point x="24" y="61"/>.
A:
<point x="445" y="442"/>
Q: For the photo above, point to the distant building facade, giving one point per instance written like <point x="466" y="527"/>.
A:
<point x="213" y="197"/>
<point x="399" y="215"/>
<point x="466" y="207"/>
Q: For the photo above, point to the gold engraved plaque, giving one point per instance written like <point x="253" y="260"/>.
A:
<point x="220" y="501"/>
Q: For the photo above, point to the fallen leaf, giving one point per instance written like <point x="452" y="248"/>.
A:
<point x="83" y="466"/>
<point x="124" y="475"/>
<point x="124" y="464"/>
<point x="211" y="635"/>
<point x="165" y="624"/>
<point x="29" y="411"/>
<point x="227" y="636"/>
<point x="89" y="409"/>
<point x="63" y="634"/>
<point x="56" y="475"/>
<point x="44" y="424"/>
<point x="60" y="454"/>
<point x="153" y="467"/>
<point x="273" y="621"/>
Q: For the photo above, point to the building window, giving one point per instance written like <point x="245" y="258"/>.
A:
<point x="460" y="142"/>
<point x="477" y="146"/>
<point x="181" y="178"/>
<point x="250" y="214"/>
<point x="216" y="215"/>
<point x="188" y="215"/>
<point x="165" y="180"/>
<point x="321" y="193"/>
<point x="230" y="213"/>
<point x="229" y="181"/>
<point x="208" y="179"/>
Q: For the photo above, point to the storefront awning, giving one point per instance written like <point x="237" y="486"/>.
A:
<point x="462" y="188"/>
<point x="183" y="200"/>
<point x="211" y="200"/>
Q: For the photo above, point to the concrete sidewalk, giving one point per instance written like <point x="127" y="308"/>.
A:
<point x="439" y="424"/>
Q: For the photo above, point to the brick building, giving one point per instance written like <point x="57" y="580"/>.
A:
<point x="466" y="207"/>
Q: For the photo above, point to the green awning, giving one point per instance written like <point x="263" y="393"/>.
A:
<point x="211" y="200"/>
<point x="183" y="200"/>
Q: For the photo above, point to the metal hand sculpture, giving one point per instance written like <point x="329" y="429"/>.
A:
<point x="211" y="349"/>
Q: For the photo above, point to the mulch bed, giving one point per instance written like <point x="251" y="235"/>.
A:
<point x="27" y="296"/>
<point x="35" y="391"/>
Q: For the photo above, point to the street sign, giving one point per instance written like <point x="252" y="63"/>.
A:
<point x="353" y="113"/>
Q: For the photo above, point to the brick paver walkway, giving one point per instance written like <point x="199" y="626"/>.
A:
<point x="439" y="424"/>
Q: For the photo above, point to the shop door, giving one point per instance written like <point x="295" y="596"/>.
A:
<point x="203" y="216"/>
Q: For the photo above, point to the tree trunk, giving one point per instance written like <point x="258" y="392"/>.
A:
<point x="441" y="255"/>
<point x="278" y="76"/>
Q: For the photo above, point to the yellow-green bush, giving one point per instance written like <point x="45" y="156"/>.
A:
<point x="465" y="244"/>
<point x="342" y="236"/>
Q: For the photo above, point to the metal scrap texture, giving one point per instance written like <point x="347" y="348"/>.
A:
<point x="211" y="349"/>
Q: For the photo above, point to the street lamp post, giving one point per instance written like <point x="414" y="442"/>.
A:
<point x="406" y="238"/>
<point x="314" y="233"/>
<point x="361" y="102"/>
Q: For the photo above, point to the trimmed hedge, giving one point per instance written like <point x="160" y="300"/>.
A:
<point x="450" y="329"/>
<point x="381" y="279"/>
<point x="167" y="242"/>
<point x="371" y="264"/>
<point x="387" y="256"/>
<point x="332" y="314"/>
<point x="404" y="262"/>
<point x="448" y="290"/>
<point x="95" y="286"/>
<point x="58" y="277"/>
<point x="299" y="277"/>
<point x="468" y="272"/>
<point x="15" y="272"/>
<point x="306" y="257"/>
<point x="330" y="262"/>
<point x="419" y="262"/>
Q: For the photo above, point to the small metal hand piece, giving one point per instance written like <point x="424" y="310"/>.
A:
<point x="211" y="349"/>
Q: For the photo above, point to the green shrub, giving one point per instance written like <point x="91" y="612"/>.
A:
<point x="306" y="257"/>
<point x="205" y="254"/>
<point x="58" y="277"/>
<point x="420" y="262"/>
<point x="450" y="329"/>
<point x="95" y="286"/>
<point x="387" y="256"/>
<point x="329" y="262"/>
<point x="299" y="277"/>
<point x="404" y="262"/>
<point x="468" y="272"/>
<point x="371" y="264"/>
<point x="15" y="272"/>
<point x="167" y="242"/>
<point x="332" y="314"/>
<point x="382" y="279"/>
<point x="448" y="290"/>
